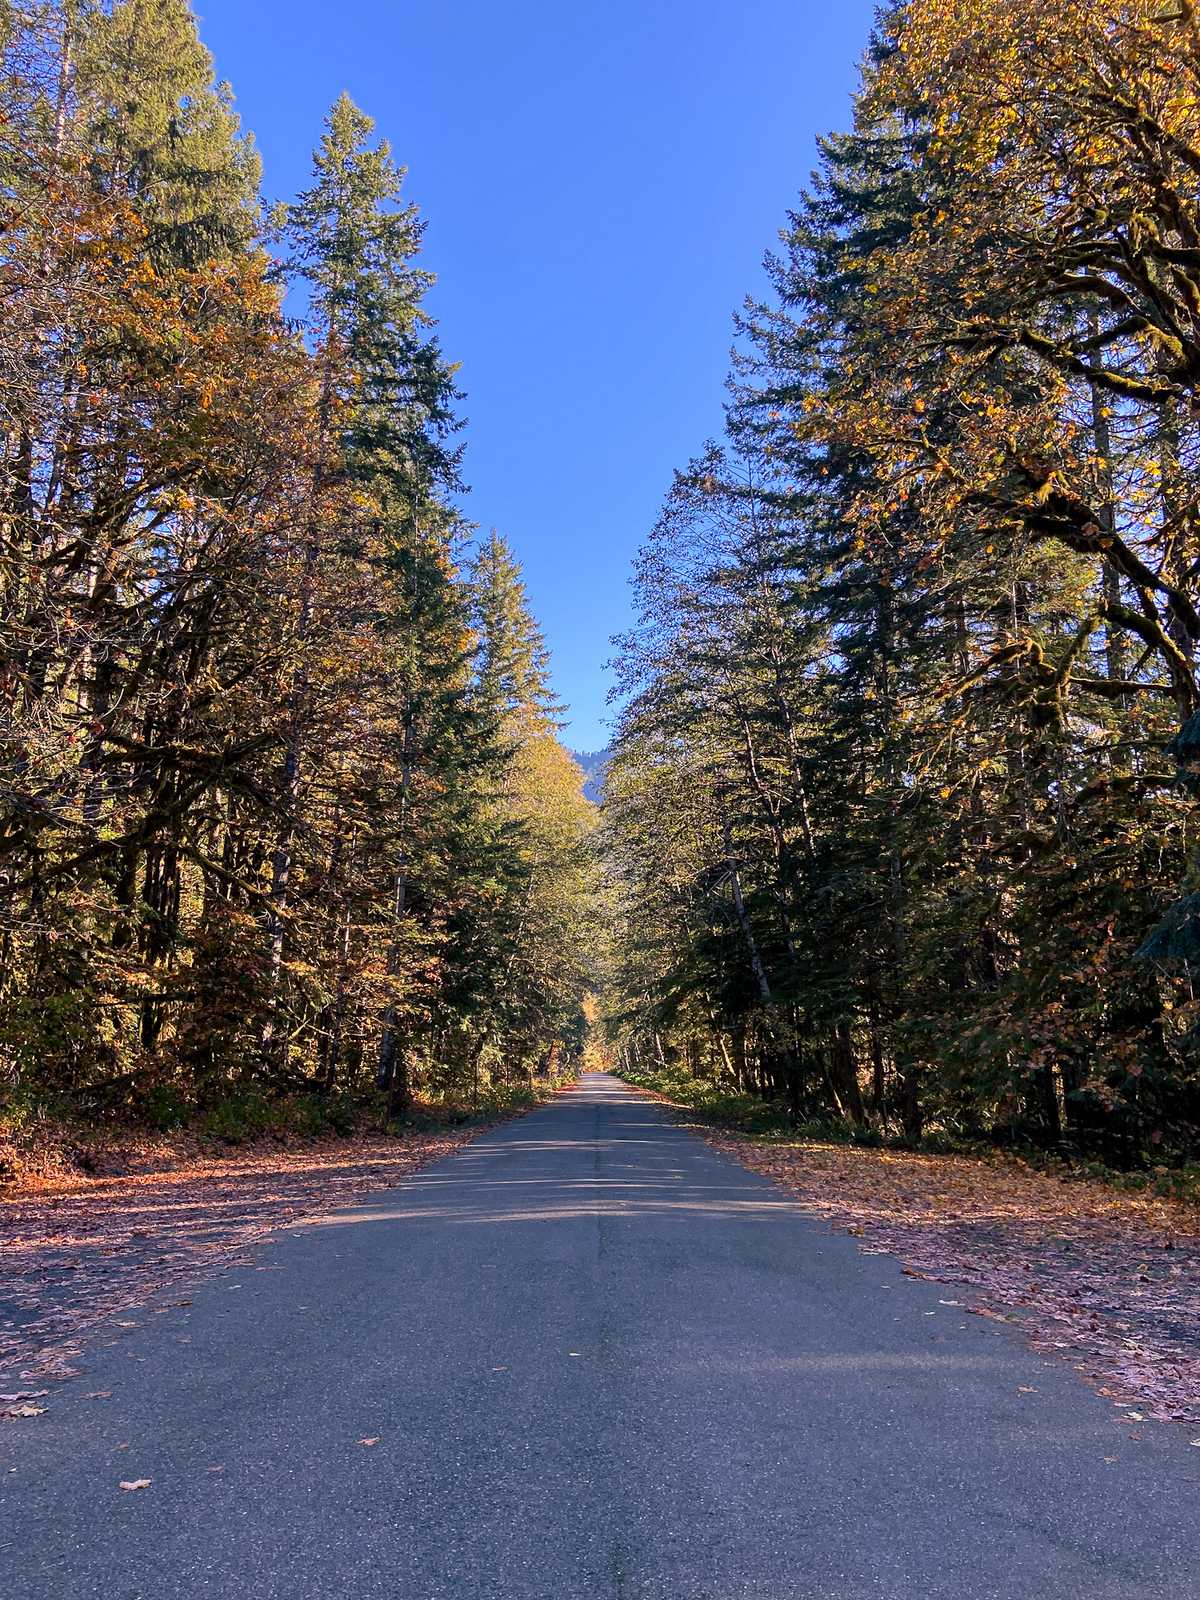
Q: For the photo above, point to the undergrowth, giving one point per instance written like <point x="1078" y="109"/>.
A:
<point x="768" y="1121"/>
<point x="40" y="1142"/>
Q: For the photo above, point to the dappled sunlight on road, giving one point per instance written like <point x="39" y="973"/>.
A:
<point x="487" y="1205"/>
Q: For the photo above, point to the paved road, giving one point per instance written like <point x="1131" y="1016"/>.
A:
<point x="600" y="1361"/>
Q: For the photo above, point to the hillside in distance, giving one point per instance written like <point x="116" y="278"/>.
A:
<point x="595" y="767"/>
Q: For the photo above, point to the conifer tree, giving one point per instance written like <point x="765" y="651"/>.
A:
<point x="512" y="670"/>
<point x="539" y="922"/>
<point x="160" y="130"/>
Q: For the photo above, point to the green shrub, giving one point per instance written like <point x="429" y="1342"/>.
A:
<point x="239" y="1117"/>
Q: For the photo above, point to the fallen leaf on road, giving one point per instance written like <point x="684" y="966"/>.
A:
<point x="375" y="1440"/>
<point x="24" y="1411"/>
<point x="24" y="1394"/>
<point x="99" y="1394"/>
<point x="135" y="1483"/>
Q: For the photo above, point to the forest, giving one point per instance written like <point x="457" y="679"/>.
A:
<point x="285" y="818"/>
<point x="744" y="1143"/>
<point x="901" y="825"/>
<point x="898" y="833"/>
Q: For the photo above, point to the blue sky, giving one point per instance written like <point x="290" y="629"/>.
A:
<point x="601" y="179"/>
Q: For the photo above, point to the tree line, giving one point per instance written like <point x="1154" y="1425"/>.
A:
<point x="284" y="807"/>
<point x="901" y="824"/>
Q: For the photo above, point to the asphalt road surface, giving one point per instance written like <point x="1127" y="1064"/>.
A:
<point x="599" y="1361"/>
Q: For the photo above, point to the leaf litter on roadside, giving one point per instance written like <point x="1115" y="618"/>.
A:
<point x="1107" y="1280"/>
<point x="81" y="1254"/>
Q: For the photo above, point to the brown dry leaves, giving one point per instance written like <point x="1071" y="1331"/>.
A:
<point x="1108" y="1280"/>
<point x="79" y="1252"/>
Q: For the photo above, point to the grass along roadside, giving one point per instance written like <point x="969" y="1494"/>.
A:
<point x="1091" y="1273"/>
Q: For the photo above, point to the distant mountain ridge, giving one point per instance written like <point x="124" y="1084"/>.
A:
<point x="595" y="766"/>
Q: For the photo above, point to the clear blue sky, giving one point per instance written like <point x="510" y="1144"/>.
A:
<point x="601" y="179"/>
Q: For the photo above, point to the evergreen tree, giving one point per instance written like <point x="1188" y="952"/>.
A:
<point x="512" y="665"/>
<point x="539" y="923"/>
<point x="159" y="129"/>
<point x="353" y="245"/>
